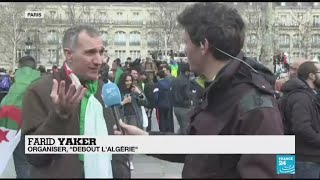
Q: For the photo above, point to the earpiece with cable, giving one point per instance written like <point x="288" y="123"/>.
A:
<point x="202" y="47"/>
<point x="237" y="59"/>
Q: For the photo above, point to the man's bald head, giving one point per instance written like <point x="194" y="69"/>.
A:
<point x="294" y="67"/>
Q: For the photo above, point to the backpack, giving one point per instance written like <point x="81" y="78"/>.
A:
<point x="148" y="66"/>
<point x="164" y="97"/>
<point x="5" y="83"/>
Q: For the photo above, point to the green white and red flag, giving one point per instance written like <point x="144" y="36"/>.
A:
<point x="10" y="113"/>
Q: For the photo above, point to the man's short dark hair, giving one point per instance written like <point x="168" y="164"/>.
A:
<point x="42" y="69"/>
<point x="220" y="24"/>
<point x="27" y="61"/>
<point x="184" y="67"/>
<point x="135" y="69"/>
<point x="161" y="74"/>
<point x="162" y="66"/>
<point x="305" y="69"/>
<point x="54" y="67"/>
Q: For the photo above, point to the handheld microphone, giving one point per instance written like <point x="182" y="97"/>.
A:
<point x="112" y="99"/>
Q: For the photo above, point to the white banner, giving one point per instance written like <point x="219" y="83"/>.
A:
<point x="182" y="144"/>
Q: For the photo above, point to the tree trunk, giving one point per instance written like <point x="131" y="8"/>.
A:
<point x="165" y="45"/>
<point x="14" y="57"/>
<point x="267" y="24"/>
<point x="14" y="45"/>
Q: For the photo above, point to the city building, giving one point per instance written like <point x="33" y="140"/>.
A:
<point x="136" y="29"/>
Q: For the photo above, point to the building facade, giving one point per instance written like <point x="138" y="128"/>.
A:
<point x="134" y="29"/>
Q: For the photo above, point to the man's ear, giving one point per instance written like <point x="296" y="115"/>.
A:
<point x="312" y="76"/>
<point x="68" y="54"/>
<point x="204" y="46"/>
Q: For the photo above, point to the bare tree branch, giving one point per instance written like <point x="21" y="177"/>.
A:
<point x="13" y="29"/>
<point x="165" y="23"/>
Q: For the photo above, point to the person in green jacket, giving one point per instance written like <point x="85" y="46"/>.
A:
<point x="11" y="107"/>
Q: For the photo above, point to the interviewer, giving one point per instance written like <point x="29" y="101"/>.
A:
<point x="238" y="99"/>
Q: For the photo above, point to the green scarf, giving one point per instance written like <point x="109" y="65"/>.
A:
<point x="92" y="87"/>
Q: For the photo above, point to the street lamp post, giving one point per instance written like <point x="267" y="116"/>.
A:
<point x="28" y="46"/>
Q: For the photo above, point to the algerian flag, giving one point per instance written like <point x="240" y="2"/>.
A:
<point x="10" y="113"/>
<point x="118" y="74"/>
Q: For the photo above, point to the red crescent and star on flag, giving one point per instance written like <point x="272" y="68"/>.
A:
<point x="3" y="136"/>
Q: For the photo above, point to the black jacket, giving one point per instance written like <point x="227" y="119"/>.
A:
<point x="181" y="91"/>
<point x="301" y="115"/>
<point x="238" y="102"/>
<point x="197" y="92"/>
<point x="264" y="71"/>
<point x="104" y="72"/>
<point x="148" y="91"/>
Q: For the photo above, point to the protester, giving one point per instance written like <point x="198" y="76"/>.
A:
<point x="116" y="69"/>
<point x="238" y="99"/>
<point x="150" y="68"/>
<point x="148" y="91"/>
<point x="133" y="99"/>
<point x="11" y="107"/>
<point x="104" y="71"/>
<point x="55" y="69"/>
<point x="291" y="74"/>
<point x="136" y="64"/>
<point x="126" y="66"/>
<point x="301" y="113"/>
<point x="167" y="70"/>
<point x="163" y="102"/>
<point x="60" y="104"/>
<point x="135" y="73"/>
<point x="42" y="70"/>
<point x="174" y="68"/>
<point x="182" y="97"/>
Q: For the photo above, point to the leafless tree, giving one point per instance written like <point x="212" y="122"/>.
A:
<point x="165" y="22"/>
<point x="252" y="15"/>
<point x="300" y="16"/>
<point x="260" y="30"/>
<point x="14" y="28"/>
<point x="75" y="13"/>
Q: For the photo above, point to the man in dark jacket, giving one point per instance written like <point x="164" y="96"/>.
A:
<point x="148" y="87"/>
<point x="301" y="114"/>
<point x="163" y="102"/>
<point x="238" y="99"/>
<point x="104" y="71"/>
<point x="182" y="97"/>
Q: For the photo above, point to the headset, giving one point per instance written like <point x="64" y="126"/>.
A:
<point x="202" y="47"/>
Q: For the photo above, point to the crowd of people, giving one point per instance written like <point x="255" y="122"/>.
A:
<point x="219" y="91"/>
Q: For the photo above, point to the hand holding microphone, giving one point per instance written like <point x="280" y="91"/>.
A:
<point x="128" y="130"/>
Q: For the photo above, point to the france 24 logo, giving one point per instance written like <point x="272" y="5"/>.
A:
<point x="286" y="164"/>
